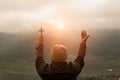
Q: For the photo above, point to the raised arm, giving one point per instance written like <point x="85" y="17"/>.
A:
<point x="40" y="63"/>
<point x="79" y="61"/>
<point x="40" y="48"/>
<point x="82" y="49"/>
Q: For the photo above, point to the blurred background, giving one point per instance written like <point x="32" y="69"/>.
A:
<point x="62" y="21"/>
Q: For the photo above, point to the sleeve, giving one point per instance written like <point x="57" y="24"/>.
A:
<point x="40" y="63"/>
<point x="79" y="61"/>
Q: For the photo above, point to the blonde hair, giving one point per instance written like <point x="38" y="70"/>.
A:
<point x="59" y="53"/>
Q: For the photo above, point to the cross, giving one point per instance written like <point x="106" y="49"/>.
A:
<point x="41" y="31"/>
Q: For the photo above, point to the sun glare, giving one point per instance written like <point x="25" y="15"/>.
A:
<point x="60" y="26"/>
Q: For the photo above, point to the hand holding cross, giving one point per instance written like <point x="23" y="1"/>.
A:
<point x="41" y="31"/>
<point x="41" y="39"/>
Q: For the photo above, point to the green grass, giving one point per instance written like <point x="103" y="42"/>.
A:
<point x="17" y="71"/>
<point x="16" y="66"/>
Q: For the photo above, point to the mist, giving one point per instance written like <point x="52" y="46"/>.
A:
<point x="27" y="16"/>
<point x="20" y="21"/>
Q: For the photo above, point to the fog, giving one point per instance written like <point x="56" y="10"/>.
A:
<point x="25" y="16"/>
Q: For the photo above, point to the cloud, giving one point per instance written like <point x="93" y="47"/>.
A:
<point x="22" y="4"/>
<point x="21" y="15"/>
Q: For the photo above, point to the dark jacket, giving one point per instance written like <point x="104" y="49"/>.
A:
<point x="60" y="70"/>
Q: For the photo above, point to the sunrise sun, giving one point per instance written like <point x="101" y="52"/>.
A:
<point x="60" y="26"/>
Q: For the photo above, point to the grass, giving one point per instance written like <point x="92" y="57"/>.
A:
<point x="17" y="71"/>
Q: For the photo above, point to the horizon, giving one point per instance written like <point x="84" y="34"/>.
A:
<point x="63" y="21"/>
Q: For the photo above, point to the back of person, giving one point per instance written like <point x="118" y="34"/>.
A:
<point x="59" y="69"/>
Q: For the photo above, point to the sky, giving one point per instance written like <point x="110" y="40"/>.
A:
<point x="29" y="15"/>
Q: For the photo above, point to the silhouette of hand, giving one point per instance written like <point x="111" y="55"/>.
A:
<point x="84" y="35"/>
<point x="41" y="40"/>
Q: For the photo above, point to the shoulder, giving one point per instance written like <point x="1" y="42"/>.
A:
<point x="71" y="66"/>
<point x="76" y="67"/>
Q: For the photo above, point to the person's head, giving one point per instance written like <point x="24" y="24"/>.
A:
<point x="59" y="53"/>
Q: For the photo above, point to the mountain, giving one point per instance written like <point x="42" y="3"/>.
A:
<point x="14" y="47"/>
<point x="17" y="53"/>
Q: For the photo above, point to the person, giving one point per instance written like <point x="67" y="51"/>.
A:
<point x="59" y="69"/>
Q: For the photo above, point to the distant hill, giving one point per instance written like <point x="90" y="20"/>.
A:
<point x="15" y="46"/>
<point x="103" y="51"/>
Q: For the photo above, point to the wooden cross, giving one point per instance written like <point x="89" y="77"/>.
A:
<point x="41" y="31"/>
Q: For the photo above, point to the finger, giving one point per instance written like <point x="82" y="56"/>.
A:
<point x="85" y="33"/>
<point x="82" y="32"/>
<point x="86" y="38"/>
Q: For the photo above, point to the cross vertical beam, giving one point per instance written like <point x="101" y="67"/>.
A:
<point x="41" y="31"/>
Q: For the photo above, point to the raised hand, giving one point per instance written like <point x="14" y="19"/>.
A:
<point x="41" y="39"/>
<point x="84" y="35"/>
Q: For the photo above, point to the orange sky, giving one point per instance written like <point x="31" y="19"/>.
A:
<point x="29" y="15"/>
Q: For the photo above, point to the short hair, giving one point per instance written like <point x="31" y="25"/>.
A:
<point x="58" y="53"/>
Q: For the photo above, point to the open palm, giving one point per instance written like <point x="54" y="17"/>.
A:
<point x="84" y="35"/>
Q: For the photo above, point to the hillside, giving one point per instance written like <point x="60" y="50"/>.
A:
<point x="17" y="54"/>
